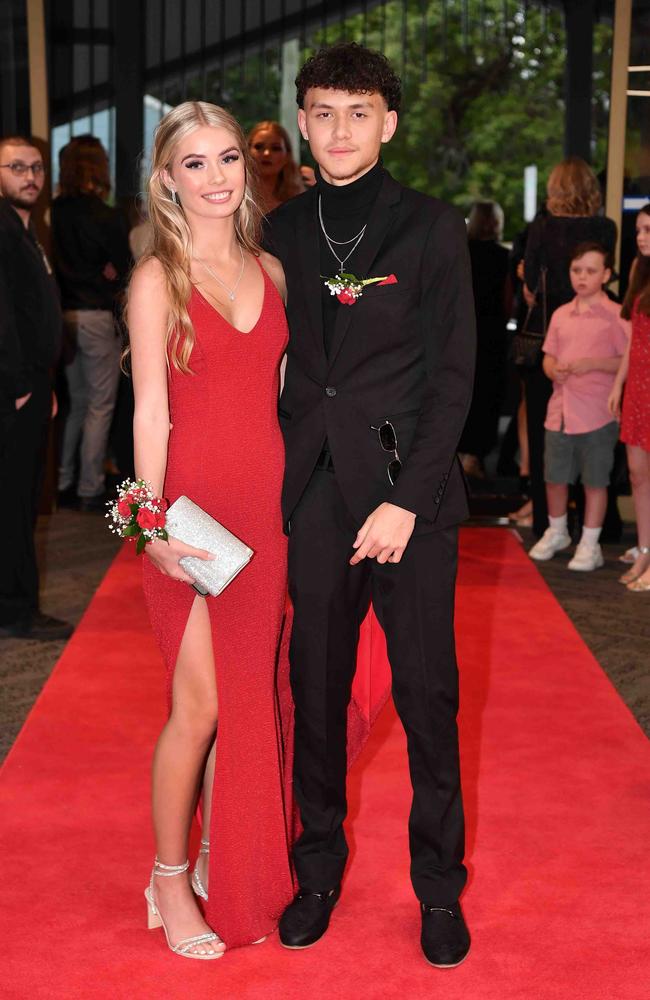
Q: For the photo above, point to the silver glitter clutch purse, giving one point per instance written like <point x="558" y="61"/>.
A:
<point x="190" y="524"/>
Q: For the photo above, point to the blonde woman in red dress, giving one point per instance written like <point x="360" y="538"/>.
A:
<point x="207" y="334"/>
<point x="634" y="374"/>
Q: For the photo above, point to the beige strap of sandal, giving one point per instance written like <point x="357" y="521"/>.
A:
<point x="196" y="881"/>
<point x="155" y="919"/>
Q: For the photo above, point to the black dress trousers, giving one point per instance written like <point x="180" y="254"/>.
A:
<point x="23" y="447"/>
<point x="414" y="603"/>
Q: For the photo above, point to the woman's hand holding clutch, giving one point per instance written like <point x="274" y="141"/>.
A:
<point x="165" y="556"/>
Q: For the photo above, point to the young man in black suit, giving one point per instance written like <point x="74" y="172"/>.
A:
<point x="377" y="389"/>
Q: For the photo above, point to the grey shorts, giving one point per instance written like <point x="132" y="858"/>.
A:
<point x="589" y="456"/>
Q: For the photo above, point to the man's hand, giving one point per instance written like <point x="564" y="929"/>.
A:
<point x="384" y="534"/>
<point x="20" y="402"/>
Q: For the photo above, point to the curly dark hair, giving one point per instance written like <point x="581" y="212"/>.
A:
<point x="353" y="68"/>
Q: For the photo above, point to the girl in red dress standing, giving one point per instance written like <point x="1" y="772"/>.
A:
<point x="634" y="373"/>
<point x="207" y="331"/>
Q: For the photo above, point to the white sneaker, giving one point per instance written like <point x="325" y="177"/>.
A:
<point x="587" y="557"/>
<point x="552" y="541"/>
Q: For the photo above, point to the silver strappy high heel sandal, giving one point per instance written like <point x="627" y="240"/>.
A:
<point x="196" y="883"/>
<point x="154" y="918"/>
<point x="630" y="576"/>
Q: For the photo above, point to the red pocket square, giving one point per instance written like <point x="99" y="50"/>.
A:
<point x="390" y="280"/>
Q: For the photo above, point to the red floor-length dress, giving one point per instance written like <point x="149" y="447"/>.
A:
<point x="226" y="454"/>
<point x="635" y="419"/>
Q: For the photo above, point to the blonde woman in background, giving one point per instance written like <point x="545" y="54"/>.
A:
<point x="207" y="332"/>
<point x="278" y="173"/>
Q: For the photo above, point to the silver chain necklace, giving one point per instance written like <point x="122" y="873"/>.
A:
<point x="356" y="240"/>
<point x="231" y="291"/>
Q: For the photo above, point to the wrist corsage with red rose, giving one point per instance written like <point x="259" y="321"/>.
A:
<point x="137" y="513"/>
<point x="348" y="288"/>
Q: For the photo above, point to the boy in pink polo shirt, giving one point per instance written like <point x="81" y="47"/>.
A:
<point x="583" y="347"/>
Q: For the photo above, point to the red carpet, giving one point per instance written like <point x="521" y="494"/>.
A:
<point x="556" y="775"/>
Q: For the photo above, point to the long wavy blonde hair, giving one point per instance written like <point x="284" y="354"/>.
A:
<point x="171" y="243"/>
<point x="573" y="189"/>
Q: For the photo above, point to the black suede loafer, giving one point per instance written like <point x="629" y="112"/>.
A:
<point x="445" y="938"/>
<point x="306" y="919"/>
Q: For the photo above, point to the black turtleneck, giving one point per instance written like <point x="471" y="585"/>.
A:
<point x="346" y="209"/>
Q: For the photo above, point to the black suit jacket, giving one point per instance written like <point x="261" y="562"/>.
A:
<point x="30" y="313"/>
<point x="403" y="351"/>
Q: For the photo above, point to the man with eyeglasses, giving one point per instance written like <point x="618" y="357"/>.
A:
<point x="378" y="383"/>
<point x="30" y="338"/>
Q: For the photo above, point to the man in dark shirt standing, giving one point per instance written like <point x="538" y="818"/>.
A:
<point x="30" y="335"/>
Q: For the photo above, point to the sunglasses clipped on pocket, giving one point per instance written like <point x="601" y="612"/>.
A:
<point x="388" y="442"/>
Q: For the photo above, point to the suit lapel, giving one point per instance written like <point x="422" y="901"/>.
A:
<point x="381" y="219"/>
<point x="309" y="250"/>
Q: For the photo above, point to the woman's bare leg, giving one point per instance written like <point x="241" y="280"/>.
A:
<point x="203" y="863"/>
<point x="178" y="766"/>
<point x="638" y="461"/>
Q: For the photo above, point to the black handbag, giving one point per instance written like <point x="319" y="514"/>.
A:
<point x="527" y="342"/>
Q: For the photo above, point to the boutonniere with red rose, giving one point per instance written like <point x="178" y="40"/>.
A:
<point x="137" y="513"/>
<point x="348" y="288"/>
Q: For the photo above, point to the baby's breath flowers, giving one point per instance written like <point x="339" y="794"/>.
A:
<point x="137" y="513"/>
<point x="348" y="288"/>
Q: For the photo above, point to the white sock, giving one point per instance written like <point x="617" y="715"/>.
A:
<point x="590" y="537"/>
<point x="558" y="524"/>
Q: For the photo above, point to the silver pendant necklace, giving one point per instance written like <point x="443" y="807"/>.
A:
<point x="231" y="291"/>
<point x="356" y="240"/>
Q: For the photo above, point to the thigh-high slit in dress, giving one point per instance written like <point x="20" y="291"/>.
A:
<point x="226" y="454"/>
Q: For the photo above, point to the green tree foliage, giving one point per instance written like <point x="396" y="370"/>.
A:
<point x="249" y="87"/>
<point x="483" y="94"/>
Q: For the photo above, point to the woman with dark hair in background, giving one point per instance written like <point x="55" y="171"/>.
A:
<point x="278" y="174"/>
<point x="573" y="216"/>
<point x="92" y="261"/>
<point x="492" y="301"/>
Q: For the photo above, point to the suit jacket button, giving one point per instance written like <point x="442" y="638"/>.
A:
<point x="436" y="499"/>
<point x="330" y="391"/>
